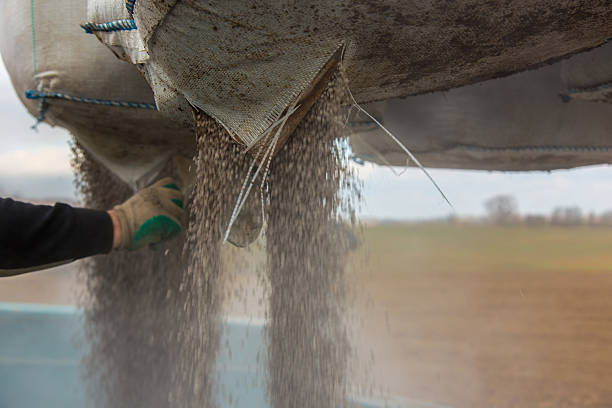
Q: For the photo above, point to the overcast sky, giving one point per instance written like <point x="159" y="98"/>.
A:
<point x="32" y="164"/>
<point x="36" y="164"/>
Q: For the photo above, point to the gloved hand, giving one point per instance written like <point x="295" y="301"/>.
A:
<point x="151" y="216"/>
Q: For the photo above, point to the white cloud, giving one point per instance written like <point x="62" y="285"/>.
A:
<point x="25" y="153"/>
<point x="16" y="123"/>
<point x="51" y="161"/>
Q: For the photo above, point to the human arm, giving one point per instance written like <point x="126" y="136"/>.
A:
<point x="38" y="235"/>
<point x="35" y="237"/>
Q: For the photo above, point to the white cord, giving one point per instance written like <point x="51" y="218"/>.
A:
<point x="242" y="198"/>
<point x="242" y="191"/>
<point x="403" y="147"/>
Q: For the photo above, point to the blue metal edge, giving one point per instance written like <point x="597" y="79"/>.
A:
<point x="38" y="308"/>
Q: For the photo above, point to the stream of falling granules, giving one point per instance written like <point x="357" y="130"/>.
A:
<point x="152" y="317"/>
<point x="310" y="185"/>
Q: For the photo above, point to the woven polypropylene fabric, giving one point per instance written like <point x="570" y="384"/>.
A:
<point x="99" y="91"/>
<point x="240" y="74"/>
<point x="515" y="123"/>
<point x="588" y="70"/>
<point x="124" y="43"/>
<point x="245" y="62"/>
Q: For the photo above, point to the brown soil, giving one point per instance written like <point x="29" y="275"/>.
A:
<point x="452" y="323"/>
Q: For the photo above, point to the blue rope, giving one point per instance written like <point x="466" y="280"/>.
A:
<point x="117" y="25"/>
<point x="129" y="5"/>
<point x="34" y="94"/>
<point x="43" y="106"/>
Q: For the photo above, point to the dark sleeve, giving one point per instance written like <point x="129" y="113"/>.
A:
<point x="34" y="235"/>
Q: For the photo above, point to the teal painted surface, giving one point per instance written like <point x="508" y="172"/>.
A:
<point x="41" y="347"/>
<point x="39" y="357"/>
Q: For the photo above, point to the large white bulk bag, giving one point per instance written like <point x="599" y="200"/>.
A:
<point x="244" y="63"/>
<point x="248" y="63"/>
<point x="528" y="121"/>
<point x="90" y="90"/>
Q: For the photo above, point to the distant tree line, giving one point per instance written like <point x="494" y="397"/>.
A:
<point x="504" y="210"/>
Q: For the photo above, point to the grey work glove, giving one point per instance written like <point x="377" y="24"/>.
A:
<point x="151" y="216"/>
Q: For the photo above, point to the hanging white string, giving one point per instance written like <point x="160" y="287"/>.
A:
<point x="242" y="189"/>
<point x="268" y="154"/>
<point x="383" y="159"/>
<point x="404" y="148"/>
<point x="269" y="160"/>
<point x="263" y="206"/>
<point x="387" y="164"/>
<point x="348" y="116"/>
<point x="265" y="176"/>
<point x="242" y="197"/>
<point x="274" y="143"/>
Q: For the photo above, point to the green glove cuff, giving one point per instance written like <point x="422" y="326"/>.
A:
<point x="155" y="230"/>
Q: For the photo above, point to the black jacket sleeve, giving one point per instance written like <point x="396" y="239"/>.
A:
<point x="34" y="235"/>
